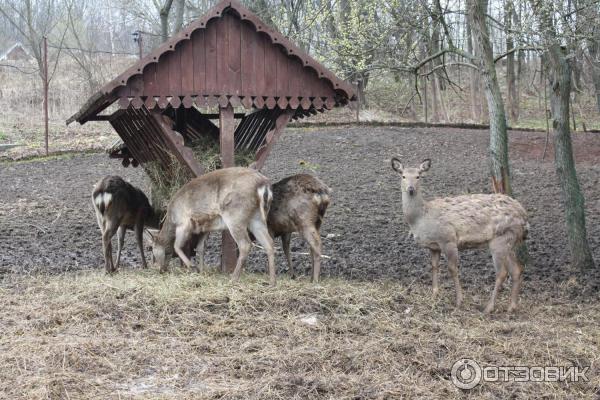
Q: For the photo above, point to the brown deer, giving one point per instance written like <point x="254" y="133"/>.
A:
<point x="237" y="199"/>
<point x="120" y="206"/>
<point x="299" y="205"/>
<point x="445" y="225"/>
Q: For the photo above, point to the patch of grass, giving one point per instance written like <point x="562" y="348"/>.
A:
<point x="3" y="136"/>
<point x="140" y="334"/>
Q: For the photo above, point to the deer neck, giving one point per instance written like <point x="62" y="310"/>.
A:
<point x="153" y="219"/>
<point x="413" y="207"/>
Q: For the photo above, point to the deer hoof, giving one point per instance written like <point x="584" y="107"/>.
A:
<point x="488" y="309"/>
<point x="512" y="308"/>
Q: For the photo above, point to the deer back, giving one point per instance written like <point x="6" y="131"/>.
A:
<point x="474" y="219"/>
<point x="297" y="200"/>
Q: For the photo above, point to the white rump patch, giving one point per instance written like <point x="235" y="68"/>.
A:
<point x="103" y="198"/>
<point x="317" y="199"/>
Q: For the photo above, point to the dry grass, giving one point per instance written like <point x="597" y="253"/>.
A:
<point x="143" y="335"/>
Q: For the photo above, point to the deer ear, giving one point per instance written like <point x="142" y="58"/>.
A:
<point x="425" y="165"/>
<point x="397" y="165"/>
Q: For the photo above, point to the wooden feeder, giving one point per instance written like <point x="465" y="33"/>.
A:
<point x="224" y="60"/>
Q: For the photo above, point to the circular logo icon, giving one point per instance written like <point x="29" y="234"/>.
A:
<point x="466" y="373"/>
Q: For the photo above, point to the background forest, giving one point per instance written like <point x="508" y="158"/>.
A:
<point x="410" y="59"/>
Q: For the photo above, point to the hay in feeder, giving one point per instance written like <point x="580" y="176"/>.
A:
<point x="166" y="181"/>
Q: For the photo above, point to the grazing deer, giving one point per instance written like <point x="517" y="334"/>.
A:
<point x="445" y="225"/>
<point x="237" y="199"/>
<point x="120" y="206"/>
<point x="299" y="204"/>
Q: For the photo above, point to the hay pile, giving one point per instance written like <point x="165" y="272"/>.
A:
<point x="165" y="182"/>
<point x="143" y="335"/>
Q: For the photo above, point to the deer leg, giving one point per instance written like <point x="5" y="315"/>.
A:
<point x="109" y="232"/>
<point x="200" y="250"/>
<point x="451" y="253"/>
<point x="259" y="229"/>
<point x="240" y="236"/>
<point x="515" y="269"/>
<point x="285" y="242"/>
<point x="435" y="271"/>
<point x="120" y="240"/>
<point x="182" y="236"/>
<point x="311" y="235"/>
<point x="499" y="259"/>
<point x="139" y="237"/>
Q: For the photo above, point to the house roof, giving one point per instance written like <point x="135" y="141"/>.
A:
<point x="7" y="52"/>
<point x="227" y="56"/>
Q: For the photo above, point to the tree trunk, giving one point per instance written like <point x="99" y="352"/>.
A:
<point x="179" y="12"/>
<point x="164" y="20"/>
<point x="513" y="100"/>
<point x="499" y="167"/>
<point x="475" y="80"/>
<point x="560" y="90"/>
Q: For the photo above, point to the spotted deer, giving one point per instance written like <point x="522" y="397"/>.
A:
<point x="299" y="205"/>
<point x="236" y="199"/>
<point x="445" y="225"/>
<point x="120" y="206"/>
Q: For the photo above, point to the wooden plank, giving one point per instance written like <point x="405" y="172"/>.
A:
<point x="199" y="61"/>
<point x="175" y="72"/>
<point x="137" y="85"/>
<point x="282" y="74"/>
<point x="263" y="152"/>
<point x="248" y="56"/>
<point x="227" y="125"/>
<point x="234" y="83"/>
<point x="222" y="56"/>
<point x="295" y="75"/>
<point x="187" y="67"/>
<point x="270" y="75"/>
<point x="162" y="75"/>
<point x="211" y="58"/>
<point x="175" y="142"/>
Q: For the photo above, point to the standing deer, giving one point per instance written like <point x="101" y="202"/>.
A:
<point x="237" y="199"/>
<point x="445" y="225"/>
<point x="120" y="206"/>
<point x="299" y="204"/>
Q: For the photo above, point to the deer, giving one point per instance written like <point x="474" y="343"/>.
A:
<point x="237" y="199"/>
<point x="120" y="206"/>
<point x="446" y="225"/>
<point x="299" y="205"/>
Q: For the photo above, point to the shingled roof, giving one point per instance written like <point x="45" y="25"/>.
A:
<point x="228" y="56"/>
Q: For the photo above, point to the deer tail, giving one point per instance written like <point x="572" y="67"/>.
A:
<point x="102" y="201"/>
<point x="265" y="197"/>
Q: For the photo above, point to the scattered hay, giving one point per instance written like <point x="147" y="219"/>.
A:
<point x="140" y="334"/>
<point x="165" y="182"/>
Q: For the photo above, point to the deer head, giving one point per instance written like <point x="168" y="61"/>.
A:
<point x="410" y="177"/>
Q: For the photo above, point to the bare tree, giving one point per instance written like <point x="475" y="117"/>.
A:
<point x="559" y="81"/>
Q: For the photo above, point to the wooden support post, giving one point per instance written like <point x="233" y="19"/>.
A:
<point x="226" y="136"/>
<point x="271" y="139"/>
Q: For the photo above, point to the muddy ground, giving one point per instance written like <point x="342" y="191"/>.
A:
<point x="47" y="221"/>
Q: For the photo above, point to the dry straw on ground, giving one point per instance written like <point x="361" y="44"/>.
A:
<point x="140" y="334"/>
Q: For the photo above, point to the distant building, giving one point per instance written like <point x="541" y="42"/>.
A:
<point x="16" y="52"/>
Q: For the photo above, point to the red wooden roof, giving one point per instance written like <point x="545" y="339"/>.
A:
<point x="228" y="56"/>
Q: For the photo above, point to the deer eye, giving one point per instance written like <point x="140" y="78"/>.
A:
<point x="403" y="177"/>
<point x="418" y="177"/>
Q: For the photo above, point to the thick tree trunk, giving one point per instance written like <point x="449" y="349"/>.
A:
<point x="560" y="90"/>
<point x="498" y="134"/>
<point x="594" y="49"/>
